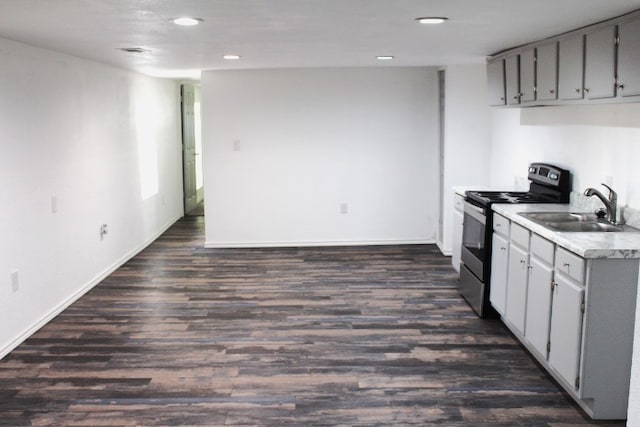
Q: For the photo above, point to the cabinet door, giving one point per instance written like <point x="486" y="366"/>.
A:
<point x="600" y="63"/>
<point x="517" y="287"/>
<point x="528" y="75"/>
<point x="495" y="82"/>
<point x="570" y="67"/>
<point x="458" y="218"/>
<point x="566" y="328"/>
<point x="512" y="78"/>
<point x="539" y="305"/>
<point x="629" y="58"/>
<point x="547" y="71"/>
<point x="499" y="266"/>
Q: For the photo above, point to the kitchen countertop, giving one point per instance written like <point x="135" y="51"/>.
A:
<point x="587" y="245"/>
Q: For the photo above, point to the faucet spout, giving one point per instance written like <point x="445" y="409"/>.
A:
<point x="610" y="202"/>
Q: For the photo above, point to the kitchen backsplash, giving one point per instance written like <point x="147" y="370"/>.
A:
<point x="630" y="215"/>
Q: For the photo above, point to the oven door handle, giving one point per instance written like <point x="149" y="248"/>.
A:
<point x="476" y="212"/>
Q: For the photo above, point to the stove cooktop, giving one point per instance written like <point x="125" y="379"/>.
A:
<point x="485" y="198"/>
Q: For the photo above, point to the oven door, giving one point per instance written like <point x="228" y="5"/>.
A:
<point x="473" y="252"/>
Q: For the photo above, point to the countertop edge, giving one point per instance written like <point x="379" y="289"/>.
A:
<point x="621" y="245"/>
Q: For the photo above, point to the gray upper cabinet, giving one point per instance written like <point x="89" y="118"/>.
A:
<point x="528" y="75"/>
<point x="600" y="63"/>
<point x="570" y="67"/>
<point x="495" y="82"/>
<point x="596" y="64"/>
<point x="547" y="71"/>
<point x="512" y="75"/>
<point x="629" y="58"/>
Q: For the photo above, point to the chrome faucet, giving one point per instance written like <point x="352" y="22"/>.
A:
<point x="610" y="203"/>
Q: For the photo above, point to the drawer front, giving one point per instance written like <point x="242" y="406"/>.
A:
<point x="458" y="202"/>
<point x="570" y="264"/>
<point x="500" y="225"/>
<point x="542" y="249"/>
<point x="520" y="235"/>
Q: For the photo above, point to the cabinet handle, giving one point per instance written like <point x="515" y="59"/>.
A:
<point x="577" y="90"/>
<point x="551" y="91"/>
<point x="530" y="267"/>
<point x="586" y="90"/>
<point x="502" y="248"/>
<point x="523" y="261"/>
<point x="621" y="87"/>
<point x="566" y="264"/>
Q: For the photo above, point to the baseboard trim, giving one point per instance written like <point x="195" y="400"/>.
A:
<point x="443" y="250"/>
<point x="86" y="288"/>
<point x="222" y="245"/>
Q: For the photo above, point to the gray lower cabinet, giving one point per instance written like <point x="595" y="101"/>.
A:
<point x="538" y="313"/>
<point x="600" y="63"/>
<point x="575" y="315"/>
<point x="518" y="274"/>
<point x="458" y="220"/>
<point x="499" y="264"/>
<point x="629" y="58"/>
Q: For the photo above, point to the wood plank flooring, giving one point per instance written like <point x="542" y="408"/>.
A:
<point x="351" y="336"/>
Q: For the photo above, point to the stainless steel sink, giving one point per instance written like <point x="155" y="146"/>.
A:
<point x="583" y="226"/>
<point x="573" y="222"/>
<point x="559" y="216"/>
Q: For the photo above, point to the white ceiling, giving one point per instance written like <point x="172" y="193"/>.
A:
<point x="292" y="33"/>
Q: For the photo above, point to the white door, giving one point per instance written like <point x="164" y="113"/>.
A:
<point x="499" y="268"/>
<point x="539" y="305"/>
<point x="517" y="287"/>
<point x="189" y="149"/>
<point x="566" y="329"/>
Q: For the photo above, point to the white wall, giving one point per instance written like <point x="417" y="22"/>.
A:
<point x="594" y="142"/>
<point x="105" y="142"/>
<point x="467" y="136"/>
<point x="309" y="140"/>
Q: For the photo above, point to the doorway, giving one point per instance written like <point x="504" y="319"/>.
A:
<point x="441" y="154"/>
<point x="192" y="151"/>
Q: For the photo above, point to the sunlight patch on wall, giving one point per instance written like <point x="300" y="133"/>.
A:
<point x="144" y="114"/>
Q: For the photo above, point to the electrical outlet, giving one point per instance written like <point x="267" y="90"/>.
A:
<point x="104" y="230"/>
<point x="344" y="208"/>
<point x="15" y="281"/>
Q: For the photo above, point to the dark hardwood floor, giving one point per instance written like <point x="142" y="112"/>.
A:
<point x="366" y="336"/>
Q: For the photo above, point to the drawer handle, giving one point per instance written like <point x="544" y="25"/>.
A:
<point x="502" y="248"/>
<point x="498" y="225"/>
<point x="566" y="264"/>
<point x="522" y="261"/>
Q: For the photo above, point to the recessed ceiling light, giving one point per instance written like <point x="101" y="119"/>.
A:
<point x="384" y="58"/>
<point x="134" y="49"/>
<point x="231" y="57"/>
<point x="186" y="21"/>
<point x="431" y="20"/>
